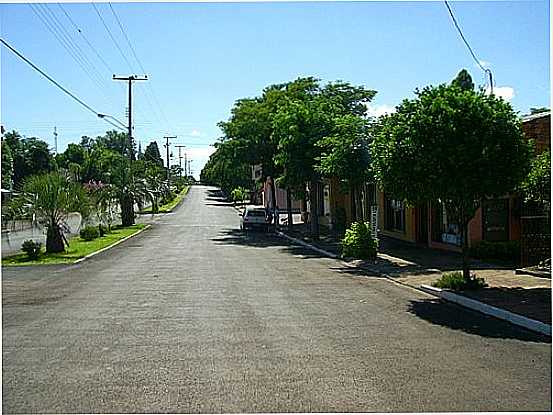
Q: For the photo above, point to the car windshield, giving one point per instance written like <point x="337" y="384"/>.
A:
<point x="255" y="213"/>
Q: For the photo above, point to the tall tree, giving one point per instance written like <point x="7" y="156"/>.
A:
<point x="452" y="145"/>
<point x="463" y="80"/>
<point x="151" y="153"/>
<point x="7" y="166"/>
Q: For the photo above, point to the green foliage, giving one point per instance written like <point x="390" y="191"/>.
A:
<point x="463" y="80"/>
<point x="7" y="166"/>
<point x="239" y="194"/>
<point x="358" y="242"/>
<point x="88" y="233"/>
<point x="455" y="281"/>
<point x="504" y="251"/>
<point x="31" y="248"/>
<point x="31" y="156"/>
<point x="51" y="197"/>
<point x="451" y="145"/>
<point x="152" y="154"/>
<point x="537" y="185"/>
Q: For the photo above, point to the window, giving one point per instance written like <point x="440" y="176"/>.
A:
<point x="443" y="230"/>
<point x="394" y="215"/>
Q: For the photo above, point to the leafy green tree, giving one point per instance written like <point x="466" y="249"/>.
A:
<point x="537" y="185"/>
<point x="118" y="142"/>
<point x="152" y="154"/>
<point x="7" y="166"/>
<point x="451" y="145"/>
<point x="31" y="156"/>
<point x="463" y="80"/>
<point x="50" y="198"/>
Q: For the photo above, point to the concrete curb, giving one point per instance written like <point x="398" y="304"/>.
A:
<point x="469" y="303"/>
<point x="112" y="245"/>
<point x="483" y="308"/>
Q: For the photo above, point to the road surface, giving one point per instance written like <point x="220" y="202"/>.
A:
<point x="193" y="316"/>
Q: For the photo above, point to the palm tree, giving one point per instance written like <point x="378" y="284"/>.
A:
<point x="50" y="198"/>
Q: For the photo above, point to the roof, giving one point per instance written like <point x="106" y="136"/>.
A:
<point x="531" y="117"/>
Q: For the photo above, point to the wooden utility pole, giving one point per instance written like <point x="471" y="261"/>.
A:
<point x="166" y="145"/>
<point x="130" y="80"/>
<point x="180" y="159"/>
<point x="55" y="140"/>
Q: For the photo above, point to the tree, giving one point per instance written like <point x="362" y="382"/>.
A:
<point x="31" y="156"/>
<point x="537" y="185"/>
<point x="451" y="145"/>
<point x="463" y="80"/>
<point x="116" y="141"/>
<point x="7" y="166"/>
<point x="50" y="198"/>
<point x="151" y="153"/>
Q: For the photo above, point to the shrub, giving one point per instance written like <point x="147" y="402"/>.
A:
<point x="505" y="251"/>
<point x="455" y="281"/>
<point x="358" y="242"/>
<point x="31" y="248"/>
<point x="239" y="194"/>
<point x="88" y="233"/>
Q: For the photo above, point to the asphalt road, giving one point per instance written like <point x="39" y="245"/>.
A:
<point x="192" y="316"/>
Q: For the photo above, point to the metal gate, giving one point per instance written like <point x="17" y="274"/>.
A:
<point x="535" y="234"/>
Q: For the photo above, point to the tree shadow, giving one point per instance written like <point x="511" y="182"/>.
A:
<point x="262" y="239"/>
<point x="455" y="317"/>
<point x="430" y="257"/>
<point x="534" y="303"/>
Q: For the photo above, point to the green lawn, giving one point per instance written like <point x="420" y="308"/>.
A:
<point x="168" y="207"/>
<point x="78" y="248"/>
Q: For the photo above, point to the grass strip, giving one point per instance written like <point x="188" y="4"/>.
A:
<point x="77" y="249"/>
<point x="168" y="207"/>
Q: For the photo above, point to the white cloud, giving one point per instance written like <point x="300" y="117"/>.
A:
<point x="195" y="133"/>
<point x="505" y="92"/>
<point x="378" y="110"/>
<point x="484" y="63"/>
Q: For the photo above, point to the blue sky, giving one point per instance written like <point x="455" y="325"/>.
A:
<point x="201" y="57"/>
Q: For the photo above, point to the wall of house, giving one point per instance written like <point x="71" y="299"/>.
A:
<point x="410" y="222"/>
<point x="538" y="129"/>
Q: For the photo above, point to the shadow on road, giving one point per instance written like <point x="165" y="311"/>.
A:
<point x="261" y="239"/>
<point x="440" y="313"/>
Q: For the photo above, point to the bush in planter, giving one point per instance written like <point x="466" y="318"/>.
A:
<point x="358" y="242"/>
<point x="88" y="233"/>
<point x="455" y="281"/>
<point x="31" y="248"/>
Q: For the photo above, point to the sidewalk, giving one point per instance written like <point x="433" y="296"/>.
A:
<point x="406" y="263"/>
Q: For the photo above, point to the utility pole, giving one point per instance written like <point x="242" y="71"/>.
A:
<point x="180" y="159"/>
<point x="185" y="164"/>
<point x="166" y="145"/>
<point x="130" y="80"/>
<point x="189" y="169"/>
<point x="55" y="141"/>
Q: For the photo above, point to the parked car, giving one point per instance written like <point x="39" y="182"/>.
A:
<point x="253" y="217"/>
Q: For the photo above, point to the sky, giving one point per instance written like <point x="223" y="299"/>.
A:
<point x="202" y="57"/>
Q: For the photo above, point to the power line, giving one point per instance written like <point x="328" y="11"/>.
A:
<point x="53" y="25"/>
<point x="86" y="39"/>
<point x="111" y="36"/>
<point x="487" y="70"/>
<point x="148" y="87"/>
<point x="44" y="74"/>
